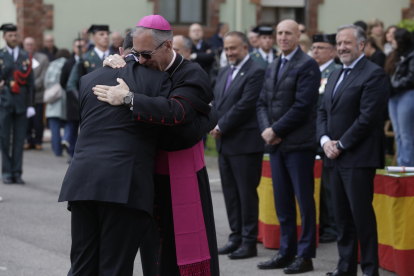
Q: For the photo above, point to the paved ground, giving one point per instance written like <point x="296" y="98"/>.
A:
<point x="35" y="229"/>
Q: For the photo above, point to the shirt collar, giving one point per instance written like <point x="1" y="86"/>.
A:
<point x="100" y="53"/>
<point x="11" y="51"/>
<point x="325" y="65"/>
<point x="355" y="62"/>
<point x="76" y="58"/>
<point x="172" y="61"/>
<point x="240" y="65"/>
<point x="264" y="55"/>
<point x="288" y="57"/>
<point x="136" y="59"/>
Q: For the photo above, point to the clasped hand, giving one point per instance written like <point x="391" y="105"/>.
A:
<point x="215" y="133"/>
<point x="115" y="61"/>
<point x="270" y="137"/>
<point x="114" y="95"/>
<point x="330" y="149"/>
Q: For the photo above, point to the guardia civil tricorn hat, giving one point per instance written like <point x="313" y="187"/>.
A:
<point x="96" y="28"/>
<point x="8" y="28"/>
<point x="329" y="38"/>
<point x="154" y="22"/>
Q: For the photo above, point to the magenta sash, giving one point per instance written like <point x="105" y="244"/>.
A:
<point x="193" y="254"/>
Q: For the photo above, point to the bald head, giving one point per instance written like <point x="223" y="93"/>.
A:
<point x="195" y="33"/>
<point x="182" y="45"/>
<point x="288" y="35"/>
<point x="29" y="44"/>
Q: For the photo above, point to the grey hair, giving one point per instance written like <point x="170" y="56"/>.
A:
<point x="359" y="32"/>
<point x="240" y="35"/>
<point x="187" y="43"/>
<point x="158" y="35"/>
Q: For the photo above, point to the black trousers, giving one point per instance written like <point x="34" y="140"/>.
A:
<point x="352" y="196"/>
<point x="105" y="238"/>
<point x="240" y="177"/>
<point x="36" y="123"/>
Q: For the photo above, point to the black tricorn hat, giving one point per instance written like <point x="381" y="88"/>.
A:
<point x="264" y="30"/>
<point x="329" y="38"/>
<point x="8" y="28"/>
<point x="96" y="28"/>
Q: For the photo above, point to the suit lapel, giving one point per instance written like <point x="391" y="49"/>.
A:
<point x="287" y="67"/>
<point x="220" y="85"/>
<point x="349" y="79"/>
<point x="330" y="86"/>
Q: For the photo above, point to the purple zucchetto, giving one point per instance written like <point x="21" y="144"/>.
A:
<point x="154" y="22"/>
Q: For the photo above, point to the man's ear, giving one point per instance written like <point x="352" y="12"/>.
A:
<point x="121" y="51"/>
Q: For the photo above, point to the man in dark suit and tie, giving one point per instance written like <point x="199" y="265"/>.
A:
<point x="350" y="130"/>
<point x="239" y="144"/>
<point x="287" y="116"/>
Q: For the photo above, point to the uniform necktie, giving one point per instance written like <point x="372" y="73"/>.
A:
<point x="284" y="60"/>
<point x="267" y="59"/>
<point x="229" y="79"/>
<point x="346" y="71"/>
<point x="103" y="57"/>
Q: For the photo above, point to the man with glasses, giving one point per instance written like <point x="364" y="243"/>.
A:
<point x="323" y="51"/>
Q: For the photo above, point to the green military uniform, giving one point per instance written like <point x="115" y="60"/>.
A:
<point x="324" y="79"/>
<point x="255" y="55"/>
<point x="13" y="108"/>
<point x="91" y="62"/>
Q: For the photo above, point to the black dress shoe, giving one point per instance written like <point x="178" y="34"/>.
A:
<point x="278" y="261"/>
<point x="244" y="252"/>
<point x="8" y="180"/>
<point x="230" y="247"/>
<point x="18" y="180"/>
<point x="337" y="272"/>
<point x="327" y="238"/>
<point x="299" y="265"/>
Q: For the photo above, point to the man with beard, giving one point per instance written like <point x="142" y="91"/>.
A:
<point x="183" y="204"/>
<point x="109" y="184"/>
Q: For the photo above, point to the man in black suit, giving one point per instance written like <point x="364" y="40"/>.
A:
<point x="287" y="116"/>
<point x="239" y="144"/>
<point x="350" y="130"/>
<point x="201" y="52"/>
<point x="108" y="186"/>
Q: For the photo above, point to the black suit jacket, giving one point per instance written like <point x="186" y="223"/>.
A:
<point x="204" y="59"/>
<point x="114" y="159"/>
<point x="354" y="116"/>
<point x="237" y="109"/>
<point x="72" y="103"/>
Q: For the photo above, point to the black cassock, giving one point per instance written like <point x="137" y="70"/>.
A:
<point x="190" y="95"/>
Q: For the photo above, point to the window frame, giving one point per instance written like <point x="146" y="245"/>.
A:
<point x="204" y="11"/>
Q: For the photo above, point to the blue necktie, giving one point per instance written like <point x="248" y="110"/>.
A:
<point x="284" y="60"/>
<point x="346" y="71"/>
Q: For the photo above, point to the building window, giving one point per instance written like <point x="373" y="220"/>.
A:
<point x="272" y="15"/>
<point x="183" y="11"/>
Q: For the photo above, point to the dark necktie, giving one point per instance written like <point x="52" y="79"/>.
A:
<point x="346" y="72"/>
<point x="103" y="57"/>
<point x="229" y="79"/>
<point x="284" y="60"/>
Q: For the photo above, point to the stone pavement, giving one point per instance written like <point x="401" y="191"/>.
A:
<point x="35" y="229"/>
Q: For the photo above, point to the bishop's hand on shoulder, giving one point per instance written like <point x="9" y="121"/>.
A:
<point x="114" y="95"/>
<point x="114" y="61"/>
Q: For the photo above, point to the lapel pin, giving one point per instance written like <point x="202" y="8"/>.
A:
<point x="242" y="73"/>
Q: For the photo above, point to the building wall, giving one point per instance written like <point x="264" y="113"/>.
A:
<point x="334" y="13"/>
<point x="239" y="14"/>
<point x="70" y="17"/>
<point x="7" y="15"/>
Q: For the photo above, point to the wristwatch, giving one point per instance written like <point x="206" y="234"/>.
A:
<point x="338" y="146"/>
<point x="128" y="98"/>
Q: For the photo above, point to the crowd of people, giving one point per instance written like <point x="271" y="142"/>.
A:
<point x="327" y="96"/>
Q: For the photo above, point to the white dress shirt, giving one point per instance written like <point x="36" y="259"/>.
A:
<point x="325" y="65"/>
<point x="100" y="53"/>
<point x="326" y="138"/>
<point x="13" y="52"/>
<point x="267" y="56"/>
<point x="289" y="57"/>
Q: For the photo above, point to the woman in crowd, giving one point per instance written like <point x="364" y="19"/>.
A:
<point x="388" y="38"/>
<point x="400" y="67"/>
<point x="373" y="52"/>
<point x="376" y="29"/>
<point x="56" y="111"/>
<point x="305" y="44"/>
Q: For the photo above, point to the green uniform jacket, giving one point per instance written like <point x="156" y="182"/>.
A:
<point x="91" y="62"/>
<point x="324" y="79"/>
<point x="10" y="101"/>
<point x="257" y="57"/>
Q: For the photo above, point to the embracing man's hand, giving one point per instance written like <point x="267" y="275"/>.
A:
<point x="115" y="61"/>
<point x="114" y="95"/>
